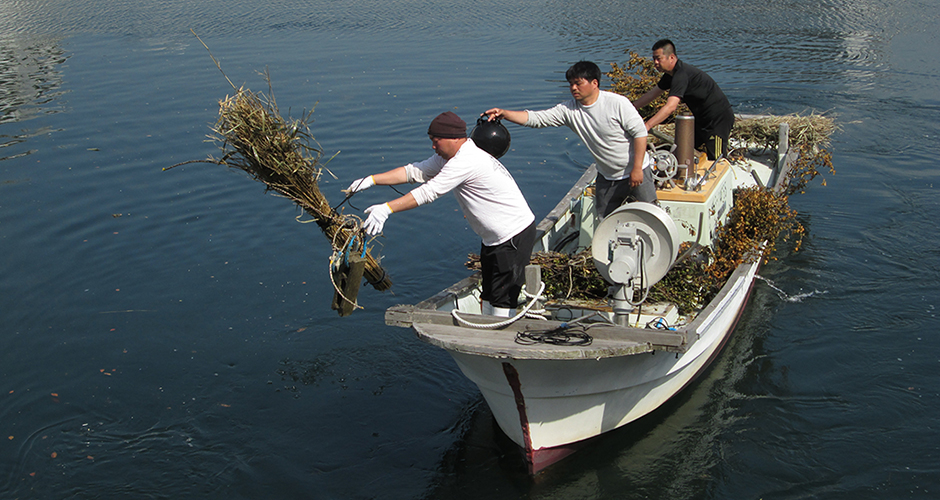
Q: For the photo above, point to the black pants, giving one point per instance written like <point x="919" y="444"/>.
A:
<point x="713" y="137"/>
<point x="503" y="268"/>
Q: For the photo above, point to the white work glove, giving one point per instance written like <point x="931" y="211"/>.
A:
<point x="378" y="214"/>
<point x="361" y="185"/>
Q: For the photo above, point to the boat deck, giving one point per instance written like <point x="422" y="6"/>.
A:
<point x="606" y="341"/>
<point x="679" y="193"/>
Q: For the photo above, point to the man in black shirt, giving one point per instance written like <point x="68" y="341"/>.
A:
<point x="686" y="83"/>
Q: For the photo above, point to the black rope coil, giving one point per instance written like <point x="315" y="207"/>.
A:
<point x="564" y="335"/>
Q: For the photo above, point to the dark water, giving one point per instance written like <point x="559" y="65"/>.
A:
<point x="167" y="334"/>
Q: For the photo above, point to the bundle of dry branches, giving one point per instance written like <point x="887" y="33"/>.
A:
<point x="811" y="131"/>
<point x="256" y="139"/>
<point x="638" y="75"/>
<point x="566" y="277"/>
<point x="635" y="78"/>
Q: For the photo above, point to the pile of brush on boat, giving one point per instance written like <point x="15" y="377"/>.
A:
<point x="622" y="313"/>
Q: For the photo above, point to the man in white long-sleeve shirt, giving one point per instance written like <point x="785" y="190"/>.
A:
<point x="612" y="130"/>
<point x="486" y="192"/>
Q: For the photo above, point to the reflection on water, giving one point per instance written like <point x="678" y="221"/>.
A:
<point x="30" y="86"/>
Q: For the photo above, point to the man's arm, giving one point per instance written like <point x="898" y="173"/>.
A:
<point x="393" y="177"/>
<point x="639" y="154"/>
<point x="390" y="178"/>
<point x="378" y="214"/>
<point x="406" y="202"/>
<point x="672" y="102"/>
<point x="648" y="97"/>
<point x="517" y="117"/>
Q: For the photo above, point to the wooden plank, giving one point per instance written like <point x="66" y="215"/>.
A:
<point x="441" y="329"/>
<point x="349" y="278"/>
<point x="502" y="344"/>
<point x="399" y="315"/>
<point x="781" y="178"/>
<point x="406" y="315"/>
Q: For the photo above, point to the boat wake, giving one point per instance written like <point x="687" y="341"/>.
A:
<point x="787" y="297"/>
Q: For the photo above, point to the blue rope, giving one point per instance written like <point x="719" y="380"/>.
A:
<point x="349" y="246"/>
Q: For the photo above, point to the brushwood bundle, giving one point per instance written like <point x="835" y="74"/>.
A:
<point x="254" y="138"/>
<point x="567" y="277"/>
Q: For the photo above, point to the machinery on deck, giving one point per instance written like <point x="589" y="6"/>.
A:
<point x="633" y="248"/>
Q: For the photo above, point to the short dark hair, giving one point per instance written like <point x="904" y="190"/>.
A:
<point x="667" y="46"/>
<point x="583" y="69"/>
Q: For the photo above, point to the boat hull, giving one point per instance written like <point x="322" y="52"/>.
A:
<point x="550" y="406"/>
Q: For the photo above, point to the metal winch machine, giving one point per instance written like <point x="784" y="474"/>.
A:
<point x="637" y="244"/>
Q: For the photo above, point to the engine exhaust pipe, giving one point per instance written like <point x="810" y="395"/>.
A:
<point x="685" y="149"/>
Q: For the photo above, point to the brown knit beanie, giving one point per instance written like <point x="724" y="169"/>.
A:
<point x="448" y="126"/>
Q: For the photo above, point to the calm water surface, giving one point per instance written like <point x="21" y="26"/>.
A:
<point x="167" y="334"/>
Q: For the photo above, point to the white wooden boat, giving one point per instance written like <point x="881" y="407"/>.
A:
<point x="550" y="399"/>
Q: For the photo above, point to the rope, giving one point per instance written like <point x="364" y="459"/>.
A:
<point x="343" y="252"/>
<point x="501" y="324"/>
<point x="336" y="287"/>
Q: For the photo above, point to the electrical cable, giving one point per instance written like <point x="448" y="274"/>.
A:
<point x="646" y="290"/>
<point x="659" y="323"/>
<point x="560" y="335"/>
